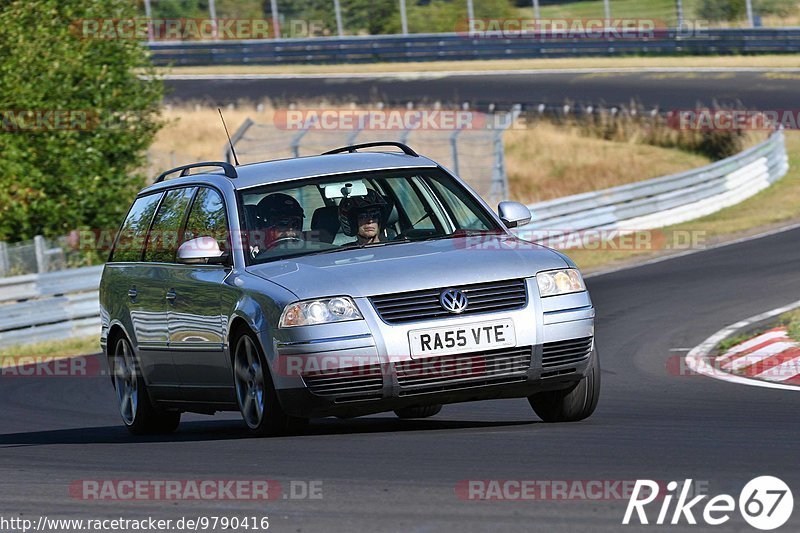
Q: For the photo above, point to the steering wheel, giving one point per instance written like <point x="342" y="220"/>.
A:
<point x="282" y="241"/>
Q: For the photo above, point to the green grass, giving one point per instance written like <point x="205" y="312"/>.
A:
<point x="661" y="10"/>
<point x="792" y="322"/>
<point x="730" y="342"/>
<point x="65" y="348"/>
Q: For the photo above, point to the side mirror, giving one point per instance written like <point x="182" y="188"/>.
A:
<point x="513" y="214"/>
<point x="202" y="251"/>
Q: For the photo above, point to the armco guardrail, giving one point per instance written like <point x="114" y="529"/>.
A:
<point x="667" y="200"/>
<point x="455" y="46"/>
<point x="51" y="306"/>
<point x="64" y="304"/>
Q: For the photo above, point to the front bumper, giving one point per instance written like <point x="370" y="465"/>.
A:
<point x="362" y="367"/>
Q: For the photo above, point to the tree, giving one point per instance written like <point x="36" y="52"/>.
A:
<point x="56" y="178"/>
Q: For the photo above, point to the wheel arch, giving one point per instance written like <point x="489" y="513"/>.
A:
<point x="116" y="331"/>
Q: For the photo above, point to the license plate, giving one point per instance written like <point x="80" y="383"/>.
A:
<point x="479" y="336"/>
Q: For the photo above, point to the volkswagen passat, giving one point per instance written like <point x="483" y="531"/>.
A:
<point x="344" y="284"/>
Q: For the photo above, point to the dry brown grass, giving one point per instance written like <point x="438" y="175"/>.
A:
<point x="548" y="161"/>
<point x="196" y="134"/>
<point x="545" y="161"/>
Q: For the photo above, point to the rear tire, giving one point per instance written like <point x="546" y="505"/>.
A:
<point x="255" y="391"/>
<point x="573" y="404"/>
<point x="138" y="413"/>
<point x="423" y="411"/>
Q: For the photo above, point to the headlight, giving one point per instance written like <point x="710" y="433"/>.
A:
<point x="322" y="311"/>
<point x="554" y="282"/>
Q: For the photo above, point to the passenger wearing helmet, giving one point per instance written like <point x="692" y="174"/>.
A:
<point x="364" y="216"/>
<point x="281" y="218"/>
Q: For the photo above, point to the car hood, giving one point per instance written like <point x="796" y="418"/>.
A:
<point x="409" y="266"/>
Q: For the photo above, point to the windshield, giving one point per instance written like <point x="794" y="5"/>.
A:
<point x="328" y="214"/>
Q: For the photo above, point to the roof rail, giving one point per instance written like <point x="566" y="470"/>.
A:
<point x="353" y="147"/>
<point x="227" y="168"/>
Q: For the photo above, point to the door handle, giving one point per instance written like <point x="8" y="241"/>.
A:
<point x="171" y="295"/>
<point x="132" y="293"/>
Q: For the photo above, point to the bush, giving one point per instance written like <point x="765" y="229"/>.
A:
<point x="722" y="9"/>
<point x="54" y="180"/>
<point x="438" y="16"/>
<point x="781" y="8"/>
<point x="732" y="10"/>
<point x="633" y="125"/>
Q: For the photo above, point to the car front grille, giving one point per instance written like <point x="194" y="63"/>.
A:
<point x="450" y="372"/>
<point x="357" y="383"/>
<point x="488" y="297"/>
<point x="568" y="352"/>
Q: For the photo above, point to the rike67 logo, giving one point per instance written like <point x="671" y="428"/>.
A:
<point x="765" y="503"/>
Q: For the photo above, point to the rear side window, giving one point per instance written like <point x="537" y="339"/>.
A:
<point x="207" y="218"/>
<point x="162" y="243"/>
<point x="131" y="237"/>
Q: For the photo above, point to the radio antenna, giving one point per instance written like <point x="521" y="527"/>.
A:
<point x="233" y="151"/>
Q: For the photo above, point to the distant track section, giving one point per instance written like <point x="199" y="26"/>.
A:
<point x="462" y="46"/>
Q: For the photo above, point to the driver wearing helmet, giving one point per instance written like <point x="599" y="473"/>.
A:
<point x="281" y="218"/>
<point x="364" y="216"/>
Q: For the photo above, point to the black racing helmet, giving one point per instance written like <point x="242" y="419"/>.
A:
<point x="279" y="209"/>
<point x="350" y="207"/>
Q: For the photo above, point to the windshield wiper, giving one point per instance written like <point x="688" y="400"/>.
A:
<point x="357" y="246"/>
<point x="454" y="235"/>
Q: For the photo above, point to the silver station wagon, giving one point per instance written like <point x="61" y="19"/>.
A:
<point x="344" y="284"/>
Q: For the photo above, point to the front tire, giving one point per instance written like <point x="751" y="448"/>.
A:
<point x="138" y="412"/>
<point x="255" y="391"/>
<point x="570" y="405"/>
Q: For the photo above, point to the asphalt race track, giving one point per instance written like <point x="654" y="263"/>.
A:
<point x="666" y="90"/>
<point x="380" y="473"/>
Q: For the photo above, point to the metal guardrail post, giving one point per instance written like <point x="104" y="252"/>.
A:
<point x="454" y="148"/>
<point x="499" y="187"/>
<point x="403" y="17"/>
<point x="276" y="25"/>
<point x="4" y="266"/>
<point x="237" y="136"/>
<point x="41" y="258"/>
<point x="351" y="139"/>
<point x="337" y="7"/>
<point x="749" y="9"/>
<point x="295" y="144"/>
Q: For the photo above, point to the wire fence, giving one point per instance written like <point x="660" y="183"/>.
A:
<point x="38" y="255"/>
<point x="325" y="18"/>
<point x="474" y="154"/>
